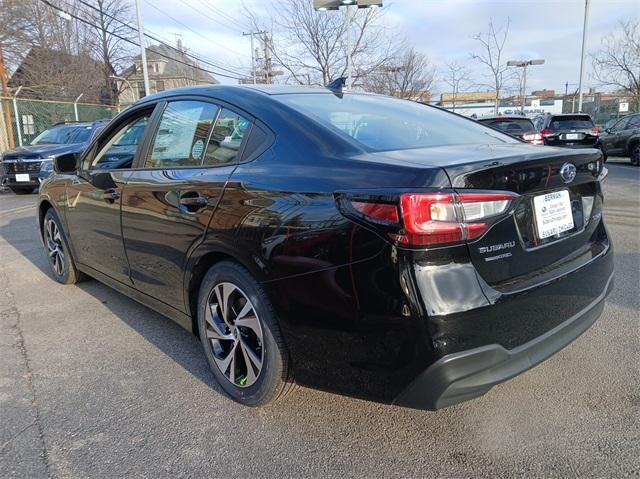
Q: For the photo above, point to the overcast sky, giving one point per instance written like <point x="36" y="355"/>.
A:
<point x="442" y="29"/>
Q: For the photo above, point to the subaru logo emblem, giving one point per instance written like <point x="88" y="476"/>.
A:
<point x="568" y="172"/>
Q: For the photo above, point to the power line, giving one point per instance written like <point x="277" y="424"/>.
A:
<point x="155" y="37"/>
<point x="217" y="20"/>
<point x="223" y="14"/>
<point x="46" y="2"/>
<point x="189" y="28"/>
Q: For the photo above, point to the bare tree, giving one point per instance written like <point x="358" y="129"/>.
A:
<point x="617" y="62"/>
<point x="310" y="46"/>
<point x="14" y="33"/>
<point x="25" y="24"/>
<point x="31" y="24"/>
<point x="52" y="74"/>
<point x="492" y="43"/>
<point x="111" y="19"/>
<point x="458" y="77"/>
<point x="409" y="75"/>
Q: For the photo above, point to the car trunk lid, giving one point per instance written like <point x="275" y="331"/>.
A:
<point x="554" y="221"/>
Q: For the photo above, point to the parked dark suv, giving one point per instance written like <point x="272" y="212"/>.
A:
<point x="568" y="130"/>
<point x="623" y="139"/>
<point x="24" y="168"/>
<point x="365" y="245"/>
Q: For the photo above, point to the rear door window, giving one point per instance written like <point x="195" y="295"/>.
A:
<point x="571" y="122"/>
<point x="180" y="139"/>
<point x="228" y="135"/>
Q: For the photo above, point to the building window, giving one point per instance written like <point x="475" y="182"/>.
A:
<point x="141" y="92"/>
<point x="159" y="85"/>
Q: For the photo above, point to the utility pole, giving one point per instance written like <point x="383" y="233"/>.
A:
<point x="143" y="53"/>
<point x="584" y="38"/>
<point x="267" y="59"/>
<point x="253" y="53"/>
<point x="5" y="104"/>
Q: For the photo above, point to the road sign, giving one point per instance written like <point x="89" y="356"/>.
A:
<point x="623" y="107"/>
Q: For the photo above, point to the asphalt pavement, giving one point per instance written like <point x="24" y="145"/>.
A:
<point x="93" y="384"/>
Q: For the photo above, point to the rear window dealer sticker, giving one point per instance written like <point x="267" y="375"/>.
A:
<point x="196" y="149"/>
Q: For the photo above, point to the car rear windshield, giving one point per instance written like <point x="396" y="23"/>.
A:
<point x="513" y="126"/>
<point x="383" y="123"/>
<point x="570" y="122"/>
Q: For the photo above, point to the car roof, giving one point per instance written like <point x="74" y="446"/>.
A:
<point x="234" y="90"/>
<point x="504" y="117"/>
<point x="569" y="114"/>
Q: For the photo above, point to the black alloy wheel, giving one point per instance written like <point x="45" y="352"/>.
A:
<point x="241" y="337"/>
<point x="62" y="266"/>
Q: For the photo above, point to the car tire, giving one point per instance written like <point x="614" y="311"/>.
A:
<point x="22" y="190"/>
<point x="63" y="268"/>
<point x="634" y="154"/>
<point x="249" y="361"/>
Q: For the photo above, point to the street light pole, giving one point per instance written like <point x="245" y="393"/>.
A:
<point x="324" y="5"/>
<point x="143" y="53"/>
<point x="524" y="87"/>
<point x="584" y="38"/>
<point x="349" y="46"/>
<point x="524" y="64"/>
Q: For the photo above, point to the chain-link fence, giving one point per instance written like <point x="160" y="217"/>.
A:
<point x="22" y="119"/>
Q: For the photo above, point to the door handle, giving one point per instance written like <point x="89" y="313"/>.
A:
<point x="192" y="202"/>
<point x="110" y="196"/>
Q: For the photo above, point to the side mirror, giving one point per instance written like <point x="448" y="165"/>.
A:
<point x="67" y="163"/>
<point x="607" y="130"/>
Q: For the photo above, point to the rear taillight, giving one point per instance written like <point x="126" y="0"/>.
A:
<point x="547" y="132"/>
<point x="532" y="137"/>
<point x="595" y="131"/>
<point x="434" y="219"/>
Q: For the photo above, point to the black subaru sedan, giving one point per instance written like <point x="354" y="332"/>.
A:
<point x="360" y="244"/>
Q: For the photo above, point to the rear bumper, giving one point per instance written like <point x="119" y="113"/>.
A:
<point x="468" y="374"/>
<point x="574" y="146"/>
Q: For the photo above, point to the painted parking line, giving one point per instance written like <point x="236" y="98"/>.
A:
<point x="17" y="210"/>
